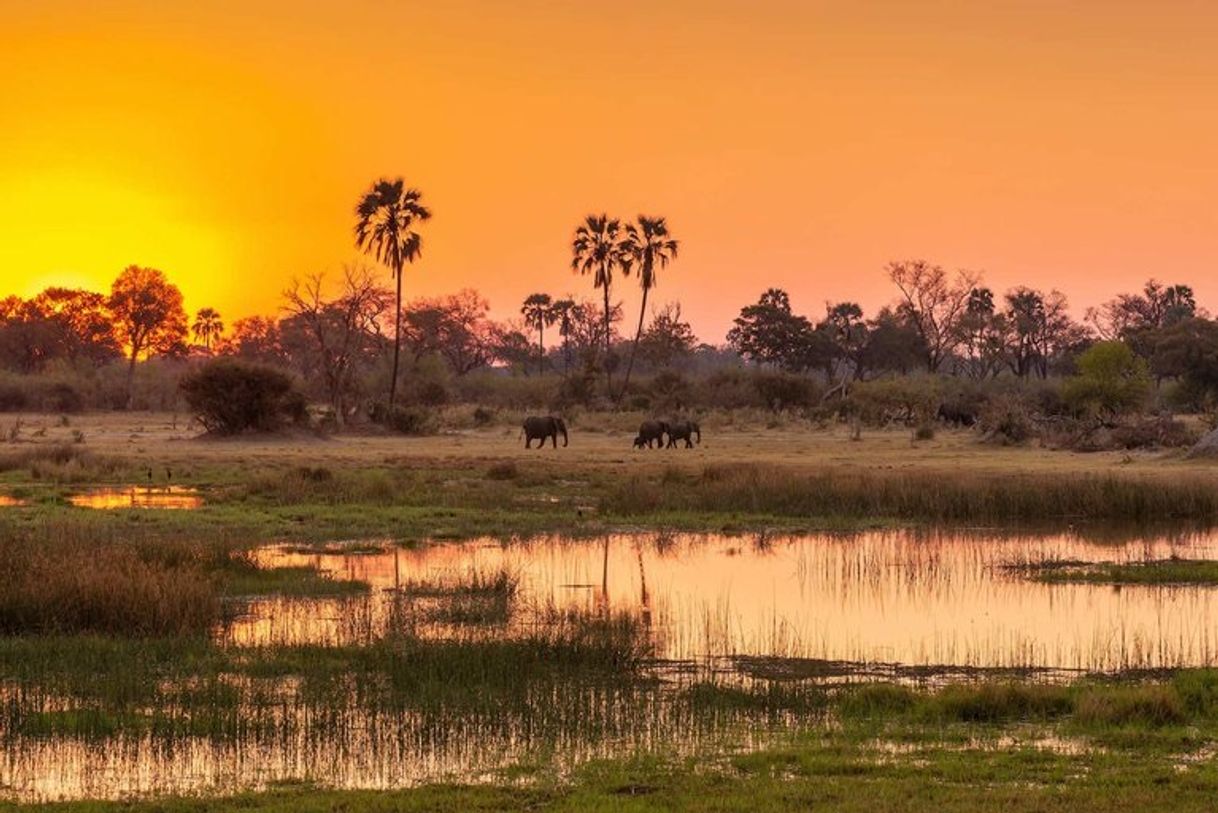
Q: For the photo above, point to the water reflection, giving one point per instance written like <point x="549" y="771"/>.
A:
<point x="351" y="745"/>
<point x="944" y="599"/>
<point x="171" y="497"/>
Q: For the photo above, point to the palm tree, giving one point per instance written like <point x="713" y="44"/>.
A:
<point x="207" y="327"/>
<point x="597" y="250"/>
<point x="562" y="310"/>
<point x="538" y="311"/>
<point x="649" y="247"/>
<point x="385" y="228"/>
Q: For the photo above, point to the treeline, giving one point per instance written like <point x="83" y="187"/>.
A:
<point x="72" y="349"/>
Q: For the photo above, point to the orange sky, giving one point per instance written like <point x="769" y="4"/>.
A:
<point x="798" y="144"/>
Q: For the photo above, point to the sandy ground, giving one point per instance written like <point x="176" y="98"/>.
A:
<point x="595" y="441"/>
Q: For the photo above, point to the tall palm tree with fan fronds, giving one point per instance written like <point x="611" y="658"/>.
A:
<point x="597" y="249"/>
<point x="649" y="247"/>
<point x="207" y="327"/>
<point x="538" y="312"/>
<point x="385" y="223"/>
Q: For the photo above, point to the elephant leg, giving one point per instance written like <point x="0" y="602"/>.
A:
<point x="554" y="439"/>
<point x="527" y="441"/>
<point x="689" y="444"/>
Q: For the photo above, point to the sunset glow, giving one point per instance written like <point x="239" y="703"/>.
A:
<point x="797" y="144"/>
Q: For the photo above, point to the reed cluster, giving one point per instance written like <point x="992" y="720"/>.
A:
<point x="922" y="496"/>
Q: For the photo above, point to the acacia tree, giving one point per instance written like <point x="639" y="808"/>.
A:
<point x="148" y="315"/>
<point x="385" y="229"/>
<point x="648" y="247"/>
<point x="538" y="311"/>
<point x="936" y="304"/>
<point x="207" y="327"/>
<point x="597" y="249"/>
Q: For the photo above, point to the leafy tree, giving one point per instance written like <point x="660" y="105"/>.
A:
<point x="1155" y="307"/>
<point x="983" y="335"/>
<point x="894" y="344"/>
<point x="648" y="247"/>
<point x="455" y="327"/>
<point x="85" y="326"/>
<point x="386" y="217"/>
<point x="207" y="327"/>
<point x="538" y="312"/>
<point x="59" y="323"/>
<point x="148" y="314"/>
<point x="936" y="304"/>
<point x="1188" y="350"/>
<point x="256" y="338"/>
<point x="1111" y="380"/>
<point x="846" y="331"/>
<point x="770" y="333"/>
<point x="669" y="338"/>
<point x="598" y="249"/>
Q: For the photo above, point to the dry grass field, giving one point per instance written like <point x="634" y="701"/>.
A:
<point x="597" y="440"/>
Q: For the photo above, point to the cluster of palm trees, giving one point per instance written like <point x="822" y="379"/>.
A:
<point x="386" y="223"/>
<point x="541" y="311"/>
<point x="603" y="247"/>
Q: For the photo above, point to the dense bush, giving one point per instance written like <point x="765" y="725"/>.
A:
<point x="408" y="420"/>
<point x="1111" y="380"/>
<point x="908" y="400"/>
<point x="779" y="390"/>
<point x="229" y="397"/>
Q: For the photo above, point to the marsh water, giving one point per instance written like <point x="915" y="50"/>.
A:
<point x="170" y="497"/>
<point x="758" y="607"/>
<point x="916" y="599"/>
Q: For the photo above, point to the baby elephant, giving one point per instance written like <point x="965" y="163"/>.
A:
<point x="651" y="432"/>
<point x="541" y="428"/>
<point x="684" y="430"/>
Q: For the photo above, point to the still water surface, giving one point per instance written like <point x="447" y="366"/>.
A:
<point x="170" y="497"/>
<point x="917" y="599"/>
<point x="922" y="599"/>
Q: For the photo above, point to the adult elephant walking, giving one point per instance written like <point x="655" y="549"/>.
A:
<point x="684" y="430"/>
<point x="651" y="432"/>
<point x="539" y="428"/>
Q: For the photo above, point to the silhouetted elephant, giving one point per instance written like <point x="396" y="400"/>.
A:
<point x="649" y="432"/>
<point x="540" y="428"/>
<point x="683" y="430"/>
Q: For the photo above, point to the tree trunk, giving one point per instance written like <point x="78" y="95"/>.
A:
<point x="131" y="375"/>
<point x="397" y="340"/>
<point x="541" y="350"/>
<point x="634" y="348"/>
<point x="608" y="342"/>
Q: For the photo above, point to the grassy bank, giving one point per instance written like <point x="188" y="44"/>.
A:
<point x="1164" y="572"/>
<point x="967" y="748"/>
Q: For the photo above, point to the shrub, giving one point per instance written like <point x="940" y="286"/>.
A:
<point x="483" y="416"/>
<point x="411" y="420"/>
<point x="505" y="470"/>
<point x="229" y="397"/>
<point x="12" y="398"/>
<point x="1111" y="380"/>
<point x="779" y="391"/>
<point x="1159" y="432"/>
<point x="1007" y="423"/>
<point x="906" y="400"/>
<point x="924" y="431"/>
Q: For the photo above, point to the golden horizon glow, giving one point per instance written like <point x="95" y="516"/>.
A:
<point x="795" y="144"/>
